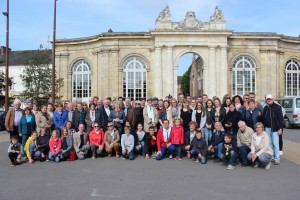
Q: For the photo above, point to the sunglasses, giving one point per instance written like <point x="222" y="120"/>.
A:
<point x="96" y="126"/>
<point x="110" y="126"/>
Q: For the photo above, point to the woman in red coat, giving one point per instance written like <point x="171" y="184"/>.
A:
<point x="55" y="147"/>
<point x="177" y="137"/>
<point x="96" y="140"/>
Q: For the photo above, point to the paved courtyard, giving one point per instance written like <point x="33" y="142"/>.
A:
<point x="112" y="178"/>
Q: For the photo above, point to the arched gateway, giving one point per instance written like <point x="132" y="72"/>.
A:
<point x="110" y="56"/>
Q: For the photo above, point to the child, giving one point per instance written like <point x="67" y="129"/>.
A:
<point x="139" y="139"/>
<point x="55" y="147"/>
<point x="15" y="151"/>
<point x="127" y="143"/>
<point x="43" y="144"/>
<point x="228" y="151"/>
<point x="31" y="148"/>
<point x="151" y="147"/>
<point x="199" y="148"/>
<point x="177" y="137"/>
<point x="66" y="144"/>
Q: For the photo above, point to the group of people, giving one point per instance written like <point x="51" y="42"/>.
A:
<point x="234" y="130"/>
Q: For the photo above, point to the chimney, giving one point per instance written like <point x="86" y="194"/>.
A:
<point x="3" y="50"/>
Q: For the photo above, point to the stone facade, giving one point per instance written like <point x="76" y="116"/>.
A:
<point x="161" y="49"/>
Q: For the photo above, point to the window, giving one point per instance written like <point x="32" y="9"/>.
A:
<point x="81" y="82"/>
<point x="298" y="103"/>
<point x="292" y="78"/>
<point x="243" y="76"/>
<point x="134" y="78"/>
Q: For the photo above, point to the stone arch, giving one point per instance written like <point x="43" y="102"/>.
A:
<point x="190" y="51"/>
<point x="148" y="63"/>
<point x="256" y="60"/>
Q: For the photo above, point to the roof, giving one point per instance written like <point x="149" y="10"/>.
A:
<point x="17" y="58"/>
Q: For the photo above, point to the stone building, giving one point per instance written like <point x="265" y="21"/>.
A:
<point x="145" y="64"/>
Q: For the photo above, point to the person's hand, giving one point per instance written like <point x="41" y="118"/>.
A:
<point x="124" y="152"/>
<point x="226" y="154"/>
<point x="30" y="160"/>
<point x="279" y="132"/>
<point x="187" y="147"/>
<point x="100" y="147"/>
<point x="210" y="148"/>
<point x="63" y="151"/>
<point x="18" y="160"/>
<point x="20" y="134"/>
<point x="254" y="156"/>
<point x="153" y="137"/>
<point x="111" y="145"/>
<point x="239" y="145"/>
<point x="158" y="153"/>
<point x="200" y="156"/>
<point x="259" y="113"/>
<point x="117" y="119"/>
<point x="81" y="153"/>
<point x="17" y="152"/>
<point x="168" y="145"/>
<point x="147" y="156"/>
<point x="128" y="152"/>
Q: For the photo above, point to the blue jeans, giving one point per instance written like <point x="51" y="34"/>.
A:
<point x="194" y="153"/>
<point x="58" y="131"/>
<point x="207" y="134"/>
<point x="178" y="149"/>
<point x="244" y="151"/>
<point x="141" y="149"/>
<point x="264" y="158"/>
<point x="163" y="151"/>
<point x="218" y="151"/>
<point x="130" y="156"/>
<point x="24" y="139"/>
<point x="274" y="142"/>
<point x="231" y="158"/>
<point x="56" y="158"/>
<point x="33" y="153"/>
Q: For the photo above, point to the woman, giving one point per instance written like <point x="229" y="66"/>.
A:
<point x="226" y="104"/>
<point x="175" y="111"/>
<point x="26" y="125"/>
<point x="43" y="145"/>
<point x="31" y="148"/>
<point x="55" y="147"/>
<point x="199" y="116"/>
<point x="185" y="115"/>
<point x="35" y="109"/>
<point x="90" y="118"/>
<point x="261" y="153"/>
<point x="112" y="140"/>
<point x="66" y="144"/>
<point x="139" y="140"/>
<point x="208" y="125"/>
<point x="139" y="114"/>
<point x="239" y="105"/>
<point x="84" y="106"/>
<point x="225" y="97"/>
<point x="164" y="113"/>
<point x="188" y="138"/>
<point x="43" y="120"/>
<point x="231" y="121"/>
<point x="117" y="116"/>
<point x="96" y="140"/>
<point x="218" y="113"/>
<point x="193" y="104"/>
<point x="60" y="119"/>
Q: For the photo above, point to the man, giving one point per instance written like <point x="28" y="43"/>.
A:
<point x="244" y="137"/>
<point x="130" y="113"/>
<point x="150" y="115"/>
<point x="70" y="111"/>
<point x="155" y="102"/>
<point x="245" y="100"/>
<point x="205" y="99"/>
<point x="96" y="100"/>
<point x="188" y="137"/>
<point x="78" y="116"/>
<point x="104" y="112"/>
<point x="216" y="142"/>
<point x="99" y="104"/>
<point x="13" y="118"/>
<point x="91" y="100"/>
<point x="164" y="141"/>
<point x="80" y="143"/>
<point x="273" y="121"/>
<point x="180" y="100"/>
<point x="127" y="105"/>
<point x="252" y="96"/>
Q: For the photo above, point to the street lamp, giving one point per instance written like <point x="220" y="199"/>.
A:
<point x="53" y="54"/>
<point x="7" y="57"/>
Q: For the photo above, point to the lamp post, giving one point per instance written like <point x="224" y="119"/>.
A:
<point x="53" y="54"/>
<point x="7" y="57"/>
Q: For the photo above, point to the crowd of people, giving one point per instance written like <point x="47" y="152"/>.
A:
<point x="232" y="130"/>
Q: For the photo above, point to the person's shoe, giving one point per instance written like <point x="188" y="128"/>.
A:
<point x="276" y="162"/>
<point x="197" y="160"/>
<point x="268" y="166"/>
<point x="117" y="156"/>
<point x="242" y="165"/>
<point x="256" y="165"/>
<point x="179" y="158"/>
<point x="280" y="153"/>
<point x="170" y="157"/>
<point x="217" y="160"/>
<point x="93" y="158"/>
<point x="230" y="167"/>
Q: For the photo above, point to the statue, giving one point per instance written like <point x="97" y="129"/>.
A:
<point x="218" y="15"/>
<point x="164" y="15"/>
<point x="190" y="22"/>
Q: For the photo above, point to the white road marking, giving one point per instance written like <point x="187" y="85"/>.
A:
<point x="94" y="194"/>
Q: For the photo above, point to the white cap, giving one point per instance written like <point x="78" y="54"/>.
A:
<point x="269" y="96"/>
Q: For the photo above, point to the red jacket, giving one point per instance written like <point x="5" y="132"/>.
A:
<point x="160" y="139"/>
<point x="97" y="139"/>
<point x="177" y="135"/>
<point x="55" y="146"/>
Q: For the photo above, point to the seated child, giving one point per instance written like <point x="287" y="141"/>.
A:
<point x="199" y="148"/>
<point x="150" y="146"/>
<point x="15" y="151"/>
<point x="229" y="154"/>
<point x="127" y="143"/>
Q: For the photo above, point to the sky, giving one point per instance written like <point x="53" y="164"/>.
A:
<point x="31" y="21"/>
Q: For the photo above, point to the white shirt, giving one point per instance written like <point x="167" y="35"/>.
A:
<point x="257" y="141"/>
<point x="167" y="133"/>
<point x="107" y="110"/>
<point x="192" y="135"/>
<point x="18" y="116"/>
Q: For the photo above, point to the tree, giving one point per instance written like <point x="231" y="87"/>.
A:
<point x="37" y="77"/>
<point x="185" y="82"/>
<point x="2" y="82"/>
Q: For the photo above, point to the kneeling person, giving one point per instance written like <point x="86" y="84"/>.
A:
<point x="229" y="154"/>
<point x="80" y="143"/>
<point x="199" y="148"/>
<point x="127" y="143"/>
<point x="15" y="151"/>
<point x="96" y="140"/>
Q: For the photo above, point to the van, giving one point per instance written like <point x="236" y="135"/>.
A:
<point x="292" y="110"/>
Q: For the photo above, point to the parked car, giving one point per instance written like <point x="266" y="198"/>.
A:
<point x="292" y="110"/>
<point x="2" y="120"/>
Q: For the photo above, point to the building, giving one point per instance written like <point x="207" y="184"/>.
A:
<point x="145" y="64"/>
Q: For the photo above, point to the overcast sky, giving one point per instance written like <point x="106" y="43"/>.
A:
<point x="31" y="21"/>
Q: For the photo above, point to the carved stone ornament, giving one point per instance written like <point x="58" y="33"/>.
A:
<point x="164" y="15"/>
<point x="218" y="15"/>
<point x="190" y="22"/>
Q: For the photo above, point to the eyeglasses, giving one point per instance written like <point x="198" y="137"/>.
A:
<point x="246" y="98"/>
<point x="110" y="126"/>
<point x="96" y="126"/>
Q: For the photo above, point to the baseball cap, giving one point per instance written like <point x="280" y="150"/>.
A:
<point x="269" y="96"/>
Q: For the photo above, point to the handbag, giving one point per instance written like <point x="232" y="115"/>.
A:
<point x="72" y="156"/>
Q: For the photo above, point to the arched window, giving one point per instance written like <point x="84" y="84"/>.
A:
<point x="134" y="78"/>
<point x="81" y="81"/>
<point x="243" y="75"/>
<point x="292" y="78"/>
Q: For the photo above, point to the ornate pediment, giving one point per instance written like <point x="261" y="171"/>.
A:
<point x="190" y="22"/>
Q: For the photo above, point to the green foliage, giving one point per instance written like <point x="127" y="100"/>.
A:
<point x="185" y="82"/>
<point x="37" y="77"/>
<point x="2" y="82"/>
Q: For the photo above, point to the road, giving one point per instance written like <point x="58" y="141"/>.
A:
<point x="112" y="178"/>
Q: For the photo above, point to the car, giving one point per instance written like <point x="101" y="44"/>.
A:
<point x="2" y="120"/>
<point x="292" y="110"/>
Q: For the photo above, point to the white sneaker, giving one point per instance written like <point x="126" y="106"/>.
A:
<point x="170" y="157"/>
<point x="280" y="153"/>
<point x="230" y="167"/>
<point x="268" y="166"/>
<point x="276" y="162"/>
<point x="197" y="160"/>
<point x="256" y="165"/>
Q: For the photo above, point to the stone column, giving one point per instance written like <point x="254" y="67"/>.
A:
<point x="104" y="74"/>
<point x="205" y="86"/>
<point x="169" y="80"/>
<point x="212" y="69"/>
<point x="175" y="94"/>
<point x="157" y="74"/>
<point x="223" y="72"/>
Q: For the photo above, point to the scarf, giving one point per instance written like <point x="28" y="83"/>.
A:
<point x="150" y="112"/>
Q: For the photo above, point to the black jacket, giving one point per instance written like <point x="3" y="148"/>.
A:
<point x="222" y="115"/>
<point x="102" y="118"/>
<point x="273" y="117"/>
<point x="232" y="146"/>
<point x="217" y="138"/>
<point x="199" y="145"/>
<point x="232" y="118"/>
<point x="187" y="140"/>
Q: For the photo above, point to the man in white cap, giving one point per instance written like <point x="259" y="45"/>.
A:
<point x="273" y="121"/>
